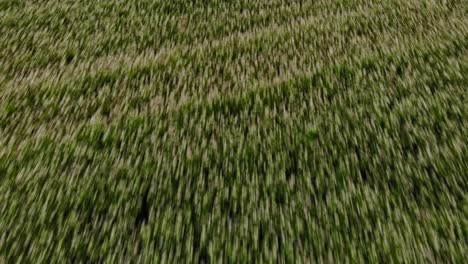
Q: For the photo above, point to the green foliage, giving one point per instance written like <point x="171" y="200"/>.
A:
<point x="233" y="131"/>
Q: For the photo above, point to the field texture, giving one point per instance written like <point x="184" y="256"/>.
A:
<point x="239" y="131"/>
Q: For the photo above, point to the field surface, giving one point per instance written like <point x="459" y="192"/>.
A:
<point x="240" y="131"/>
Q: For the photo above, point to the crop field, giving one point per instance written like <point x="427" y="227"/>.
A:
<point x="239" y="131"/>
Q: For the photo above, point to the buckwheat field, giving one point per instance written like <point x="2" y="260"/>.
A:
<point x="235" y="131"/>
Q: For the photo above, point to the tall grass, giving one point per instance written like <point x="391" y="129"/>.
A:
<point x="233" y="131"/>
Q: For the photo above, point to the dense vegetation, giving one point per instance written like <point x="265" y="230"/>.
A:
<point x="206" y="130"/>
